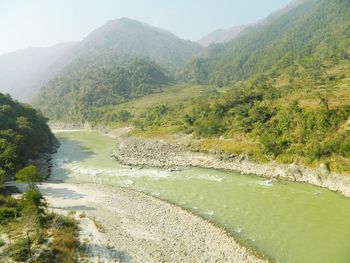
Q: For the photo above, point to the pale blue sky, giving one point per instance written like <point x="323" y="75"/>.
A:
<point x="43" y="23"/>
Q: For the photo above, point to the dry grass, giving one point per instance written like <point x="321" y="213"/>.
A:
<point x="169" y="96"/>
<point x="165" y="133"/>
<point x="234" y="146"/>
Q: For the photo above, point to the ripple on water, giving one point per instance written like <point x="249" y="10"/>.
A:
<point x="207" y="177"/>
<point x="210" y="212"/>
<point x="238" y="230"/>
<point x="128" y="182"/>
<point x="266" y="183"/>
<point x="118" y="172"/>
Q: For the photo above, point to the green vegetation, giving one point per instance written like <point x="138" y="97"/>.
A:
<point x="24" y="134"/>
<point x="280" y="91"/>
<point x="34" y="234"/>
<point x="116" y="38"/>
<point x="287" y="93"/>
<point x="248" y="120"/>
<point x="301" y="43"/>
<point x="79" y="95"/>
<point x="31" y="233"/>
<point x="29" y="174"/>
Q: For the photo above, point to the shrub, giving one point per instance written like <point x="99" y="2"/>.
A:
<point x="2" y="243"/>
<point x="29" y="174"/>
<point x="20" y="251"/>
<point x="46" y="256"/>
<point x="6" y="214"/>
<point x="34" y="205"/>
<point x="64" y="243"/>
<point x="2" y="177"/>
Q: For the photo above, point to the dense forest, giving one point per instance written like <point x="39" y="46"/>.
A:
<point x="76" y="95"/>
<point x="302" y="42"/>
<point x="24" y="134"/>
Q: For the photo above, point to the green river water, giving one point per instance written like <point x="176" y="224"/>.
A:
<point x="289" y="222"/>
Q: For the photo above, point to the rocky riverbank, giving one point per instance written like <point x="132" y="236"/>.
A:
<point x="123" y="225"/>
<point x="160" y="153"/>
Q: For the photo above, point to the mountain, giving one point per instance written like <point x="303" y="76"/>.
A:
<point x="305" y="36"/>
<point x="78" y="95"/>
<point x="282" y="90"/>
<point x="221" y="36"/>
<point x="127" y="36"/>
<point x="122" y="60"/>
<point x="22" y="73"/>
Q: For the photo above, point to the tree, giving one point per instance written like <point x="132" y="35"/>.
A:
<point x="34" y="205"/>
<point x="2" y="177"/>
<point x="30" y="174"/>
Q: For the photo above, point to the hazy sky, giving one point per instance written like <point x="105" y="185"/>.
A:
<point x="43" y="23"/>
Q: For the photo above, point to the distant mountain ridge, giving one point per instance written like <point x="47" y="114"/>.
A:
<point x="221" y="36"/>
<point x="122" y="60"/>
<point x="24" y="72"/>
<point x="127" y="36"/>
<point x="302" y="36"/>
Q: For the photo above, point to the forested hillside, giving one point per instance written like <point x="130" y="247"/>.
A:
<point x="221" y="36"/>
<point x="74" y="96"/>
<point x="302" y="42"/>
<point x="280" y="91"/>
<point x="285" y="95"/>
<point x="23" y="135"/>
<point x="123" y="59"/>
<point x="131" y="37"/>
<point x="24" y="72"/>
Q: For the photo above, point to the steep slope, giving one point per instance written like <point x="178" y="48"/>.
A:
<point x="23" y="134"/>
<point x="77" y="95"/>
<point x="303" y="37"/>
<point x="127" y="36"/>
<point x="23" y="72"/>
<point x="286" y="94"/>
<point x="221" y="36"/>
<point x="123" y="59"/>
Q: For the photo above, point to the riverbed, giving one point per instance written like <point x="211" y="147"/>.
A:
<point x="287" y="221"/>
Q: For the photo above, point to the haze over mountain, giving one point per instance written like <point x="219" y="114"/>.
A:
<point x="282" y="90"/>
<point x="270" y="99"/>
<point x="226" y="35"/>
<point x="302" y="36"/>
<point x="24" y="72"/>
<point x="221" y="36"/>
<point x="121" y="60"/>
<point x="127" y="36"/>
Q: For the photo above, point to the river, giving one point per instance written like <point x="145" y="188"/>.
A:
<point x="287" y="221"/>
